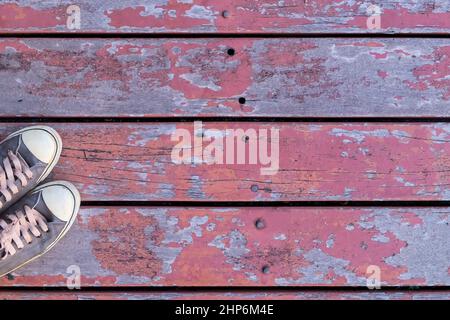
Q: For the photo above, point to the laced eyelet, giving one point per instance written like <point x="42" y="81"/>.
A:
<point x="12" y="167"/>
<point x="22" y="227"/>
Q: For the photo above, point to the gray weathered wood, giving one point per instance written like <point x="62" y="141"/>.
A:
<point x="231" y="16"/>
<point x="188" y="77"/>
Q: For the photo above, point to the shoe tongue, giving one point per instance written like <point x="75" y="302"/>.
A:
<point x="9" y="145"/>
<point x="26" y="155"/>
<point x="40" y="206"/>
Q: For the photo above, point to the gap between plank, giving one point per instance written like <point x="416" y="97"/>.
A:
<point x="133" y="119"/>
<point x="220" y="204"/>
<point x="227" y="289"/>
<point x="143" y="35"/>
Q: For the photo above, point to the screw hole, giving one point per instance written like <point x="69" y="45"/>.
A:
<point x="259" y="224"/>
<point x="231" y="52"/>
<point x="225" y="13"/>
<point x="254" y="188"/>
<point x="265" y="269"/>
<point x="242" y="100"/>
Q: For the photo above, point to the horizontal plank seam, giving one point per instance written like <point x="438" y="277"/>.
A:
<point x="378" y="203"/>
<point x="226" y="289"/>
<point x="276" y="119"/>
<point x="143" y="35"/>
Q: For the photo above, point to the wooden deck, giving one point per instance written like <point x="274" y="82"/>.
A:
<point x="364" y="145"/>
<point x="233" y="16"/>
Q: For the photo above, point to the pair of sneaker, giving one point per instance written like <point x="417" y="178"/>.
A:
<point x="33" y="217"/>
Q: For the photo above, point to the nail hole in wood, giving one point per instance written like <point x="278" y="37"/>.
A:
<point x="260" y="224"/>
<point x="242" y="100"/>
<point x="265" y="269"/>
<point x="231" y="52"/>
<point x="254" y="188"/>
<point x="225" y="13"/>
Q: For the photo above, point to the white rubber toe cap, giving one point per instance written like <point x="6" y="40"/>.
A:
<point x="60" y="200"/>
<point x="43" y="144"/>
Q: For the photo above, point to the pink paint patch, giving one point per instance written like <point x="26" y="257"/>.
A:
<point x="379" y="55"/>
<point x="253" y="17"/>
<point x="199" y="81"/>
<point x="369" y="44"/>
<point x="170" y="17"/>
<point x="435" y="75"/>
<point x="14" y="17"/>
<point x="382" y="74"/>
<point x="412" y="219"/>
<point x="403" y="19"/>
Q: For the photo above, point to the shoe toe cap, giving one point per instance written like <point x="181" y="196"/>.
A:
<point x="61" y="201"/>
<point x="42" y="143"/>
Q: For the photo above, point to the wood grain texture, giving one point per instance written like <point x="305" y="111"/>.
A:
<point x="318" y="162"/>
<point x="227" y="295"/>
<point x="251" y="16"/>
<point x="307" y="246"/>
<point x="189" y="77"/>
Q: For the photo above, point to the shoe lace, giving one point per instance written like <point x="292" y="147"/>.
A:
<point x="21" y="224"/>
<point x="13" y="166"/>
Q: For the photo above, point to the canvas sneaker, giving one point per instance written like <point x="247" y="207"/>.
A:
<point x="34" y="224"/>
<point x="26" y="158"/>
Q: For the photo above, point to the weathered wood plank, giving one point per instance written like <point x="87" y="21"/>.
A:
<point x="306" y="246"/>
<point x="216" y="16"/>
<point x="230" y="295"/>
<point x="188" y="77"/>
<point x="317" y="162"/>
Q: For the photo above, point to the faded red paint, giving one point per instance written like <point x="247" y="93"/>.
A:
<point x="191" y="77"/>
<point x="121" y="235"/>
<point x="136" y="17"/>
<point x="229" y="295"/>
<point x="403" y="19"/>
<point x="412" y="219"/>
<point x="435" y="75"/>
<point x="316" y="16"/>
<point x="383" y="74"/>
<point x="255" y="17"/>
<point x="197" y="77"/>
<point x="228" y="81"/>
<point x="16" y="18"/>
<point x="18" y="279"/>
<point x="222" y="247"/>
<point x="317" y="162"/>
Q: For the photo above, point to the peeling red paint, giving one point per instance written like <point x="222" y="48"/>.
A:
<point x="252" y="16"/>
<point x="231" y="79"/>
<point x="186" y="77"/>
<point x="298" y="246"/>
<point x="383" y="74"/>
<point x="16" y="17"/>
<point x="412" y="220"/>
<point x="332" y="162"/>
<point x="44" y="280"/>
<point x="435" y="75"/>
<point x="307" y="246"/>
<point x="233" y="295"/>
<point x="165" y="18"/>
<point x="121" y="246"/>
